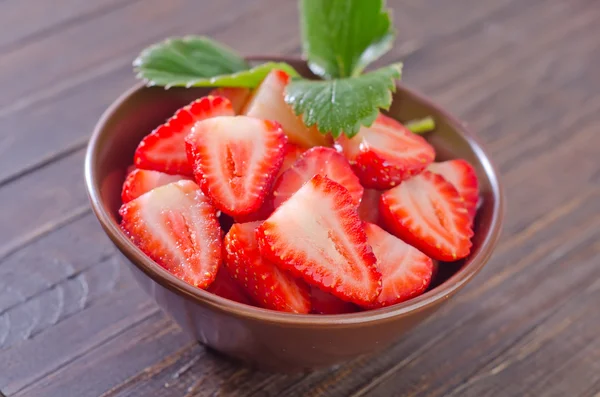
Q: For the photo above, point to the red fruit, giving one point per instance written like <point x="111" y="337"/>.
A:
<point x="318" y="160"/>
<point x="265" y="210"/>
<point x="386" y="153"/>
<point x="325" y="303"/>
<point x="464" y="178"/>
<point x="176" y="226"/>
<point x="227" y="288"/>
<point x="235" y="160"/>
<point x="130" y="169"/>
<point x="269" y="286"/>
<point x="368" y="210"/>
<point x="292" y="153"/>
<point x="267" y="102"/>
<point x="139" y="182"/>
<point x="406" y="271"/>
<point x="238" y="96"/>
<point x="427" y="212"/>
<point x="317" y="235"/>
<point x="164" y="148"/>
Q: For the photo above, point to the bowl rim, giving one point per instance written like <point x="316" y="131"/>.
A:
<point x="161" y="276"/>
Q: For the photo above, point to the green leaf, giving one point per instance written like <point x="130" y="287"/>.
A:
<point x="343" y="104"/>
<point x="179" y="61"/>
<point x="341" y="37"/>
<point x="421" y="126"/>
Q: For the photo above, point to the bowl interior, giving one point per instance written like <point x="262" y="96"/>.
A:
<point x="140" y="110"/>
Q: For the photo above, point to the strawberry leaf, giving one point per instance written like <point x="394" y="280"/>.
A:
<point x="341" y="37"/>
<point x="421" y="126"/>
<point x="343" y="104"/>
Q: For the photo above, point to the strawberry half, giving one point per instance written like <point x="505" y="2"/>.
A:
<point x="317" y="235"/>
<point x="269" y="286"/>
<point x="325" y="303"/>
<point x="386" y="153"/>
<point x="177" y="227"/>
<point x="235" y="160"/>
<point x="226" y="287"/>
<point x="464" y="178"/>
<point x="406" y="272"/>
<point x="267" y="102"/>
<point x="139" y="182"/>
<point x="368" y="210"/>
<point x="292" y="153"/>
<point x="318" y="160"/>
<point x="427" y="212"/>
<point x="164" y="148"/>
<point x="238" y="96"/>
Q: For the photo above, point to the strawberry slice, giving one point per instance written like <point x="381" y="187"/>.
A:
<point x="235" y="160"/>
<point x="317" y="235"/>
<point x="292" y="153"/>
<point x="406" y="271"/>
<point x="269" y="286"/>
<point x="318" y="160"/>
<point x="238" y="96"/>
<point x="386" y="153"/>
<point x="267" y="102"/>
<point x="464" y="178"/>
<point x="227" y="288"/>
<point x="325" y="303"/>
<point x="139" y="182"/>
<point x="164" y="148"/>
<point x="177" y="227"/>
<point x="368" y="210"/>
<point x="427" y="212"/>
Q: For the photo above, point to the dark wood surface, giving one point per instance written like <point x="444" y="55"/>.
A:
<point x="525" y="76"/>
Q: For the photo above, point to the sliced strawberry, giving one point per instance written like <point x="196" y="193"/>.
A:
<point x="269" y="286"/>
<point x="325" y="303"/>
<point x="235" y="160"/>
<point x="317" y="235"/>
<point x="267" y="102"/>
<point x="318" y="160"/>
<point x="238" y="96"/>
<point x="292" y="153"/>
<point x="464" y="178"/>
<point x="386" y="153"/>
<point x="164" y="148"/>
<point x="139" y="182"/>
<point x="427" y="212"/>
<point x="368" y="210"/>
<point x="406" y="271"/>
<point x="265" y="211"/>
<point x="227" y="288"/>
<point x="177" y="227"/>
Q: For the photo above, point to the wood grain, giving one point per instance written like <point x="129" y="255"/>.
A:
<point x="72" y="321"/>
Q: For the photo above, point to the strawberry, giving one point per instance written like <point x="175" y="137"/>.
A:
<point x="325" y="303"/>
<point x="227" y="288"/>
<point x="292" y="153"/>
<point x="464" y="178"/>
<point x="265" y="210"/>
<point x="177" y="227"/>
<point x="368" y="210"/>
<point x="235" y="160"/>
<point x="386" y="153"/>
<point x="427" y="212"/>
<point x="317" y="235"/>
<point x="269" y="286"/>
<point x="267" y="102"/>
<point x="318" y="160"/>
<point x="164" y="148"/>
<point x="238" y="96"/>
<point x="139" y="182"/>
<point x="130" y="169"/>
<point x="406" y="272"/>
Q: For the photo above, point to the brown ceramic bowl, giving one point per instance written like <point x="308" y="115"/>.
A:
<point x="270" y="339"/>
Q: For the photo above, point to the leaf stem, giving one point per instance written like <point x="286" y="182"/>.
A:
<point x="421" y="126"/>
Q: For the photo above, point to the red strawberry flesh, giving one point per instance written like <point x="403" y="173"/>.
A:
<point x="238" y="96"/>
<point x="139" y="182"/>
<point x="462" y="175"/>
<point x="177" y="227"/>
<point x="325" y="303"/>
<point x="317" y="235"/>
<point x="368" y="210"/>
<point x="226" y="287"/>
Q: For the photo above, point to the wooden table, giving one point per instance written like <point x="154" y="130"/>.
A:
<point x="524" y="74"/>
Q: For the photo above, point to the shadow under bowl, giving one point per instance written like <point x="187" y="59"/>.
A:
<point x="269" y="339"/>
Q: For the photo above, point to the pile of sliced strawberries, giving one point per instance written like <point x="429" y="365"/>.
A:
<point x="235" y="195"/>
